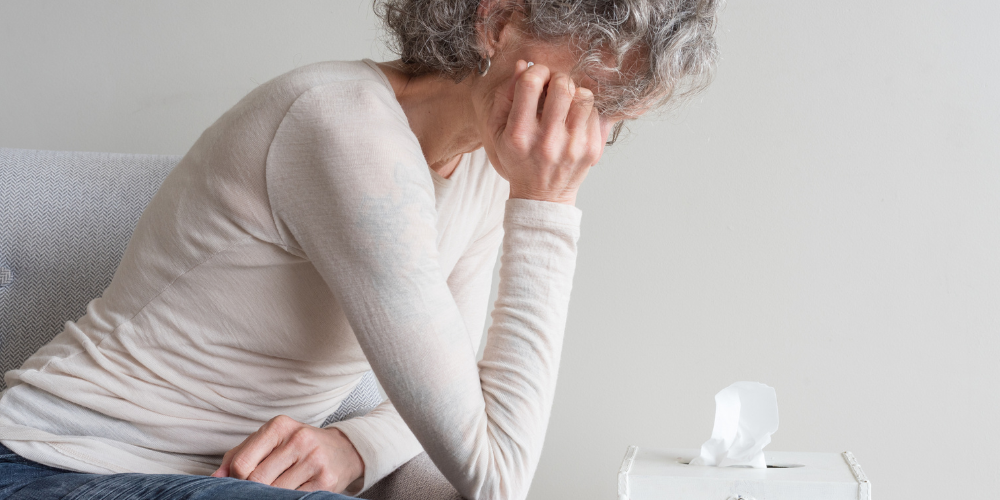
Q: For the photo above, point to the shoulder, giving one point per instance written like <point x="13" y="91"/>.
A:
<point x="333" y="95"/>
<point x="329" y="74"/>
<point x="318" y="99"/>
<point x="321" y="94"/>
<point x="343" y="105"/>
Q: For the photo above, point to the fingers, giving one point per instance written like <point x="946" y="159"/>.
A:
<point x="294" y="477"/>
<point x="312" y="486"/>
<point x="587" y="128"/>
<point x="276" y="464"/>
<point x="504" y="100"/>
<point x="594" y="145"/>
<point x="523" y="118"/>
<point x="288" y="454"/>
<point x="558" y="101"/>
<point x="223" y="470"/>
<point x="259" y="445"/>
<point x="581" y="110"/>
<point x="544" y="149"/>
<point x="519" y="68"/>
<point x="598" y="140"/>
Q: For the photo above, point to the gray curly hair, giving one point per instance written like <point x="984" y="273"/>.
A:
<point x="642" y="53"/>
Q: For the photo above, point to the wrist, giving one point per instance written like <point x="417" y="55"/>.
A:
<point x="356" y="464"/>
<point x="566" y="198"/>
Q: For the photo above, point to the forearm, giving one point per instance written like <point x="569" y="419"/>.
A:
<point x="484" y="427"/>
<point x="523" y="348"/>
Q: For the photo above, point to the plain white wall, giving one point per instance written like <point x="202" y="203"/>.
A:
<point x="825" y="219"/>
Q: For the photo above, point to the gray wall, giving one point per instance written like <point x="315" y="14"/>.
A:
<point x="825" y="219"/>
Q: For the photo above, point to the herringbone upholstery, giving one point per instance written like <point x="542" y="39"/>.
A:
<point x="65" y="219"/>
<point x="360" y="401"/>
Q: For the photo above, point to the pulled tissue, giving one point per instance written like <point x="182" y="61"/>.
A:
<point x="746" y="414"/>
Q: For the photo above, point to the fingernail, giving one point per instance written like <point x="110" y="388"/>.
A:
<point x="530" y="64"/>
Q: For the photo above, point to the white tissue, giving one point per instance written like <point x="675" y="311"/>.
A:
<point x="746" y="414"/>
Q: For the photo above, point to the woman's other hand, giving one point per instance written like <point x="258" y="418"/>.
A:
<point x="545" y="148"/>
<point x="289" y="454"/>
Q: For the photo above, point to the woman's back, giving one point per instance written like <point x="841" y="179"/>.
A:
<point x="216" y="321"/>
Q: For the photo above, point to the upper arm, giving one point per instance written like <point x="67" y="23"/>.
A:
<point x="342" y="156"/>
<point x="349" y="186"/>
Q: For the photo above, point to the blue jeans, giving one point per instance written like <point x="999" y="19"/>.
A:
<point x="22" y="479"/>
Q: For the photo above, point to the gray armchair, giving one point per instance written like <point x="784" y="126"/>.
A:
<point x="65" y="219"/>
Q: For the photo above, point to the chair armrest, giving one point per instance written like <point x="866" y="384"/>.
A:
<point x="418" y="479"/>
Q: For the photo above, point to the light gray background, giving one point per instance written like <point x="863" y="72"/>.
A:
<point x="825" y="219"/>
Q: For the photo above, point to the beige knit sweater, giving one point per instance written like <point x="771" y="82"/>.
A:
<point x="301" y="242"/>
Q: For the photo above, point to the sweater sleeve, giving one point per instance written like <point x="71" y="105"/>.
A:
<point x="350" y="189"/>
<point x="381" y="437"/>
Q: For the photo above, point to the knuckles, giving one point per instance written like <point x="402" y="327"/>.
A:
<point x="560" y="85"/>
<point x="282" y="421"/>
<point x="550" y="152"/>
<point x="302" y="438"/>
<point x="279" y="425"/>
<point x="594" y="152"/>
<point x="585" y="94"/>
<point x="519" y="139"/>
<point x="531" y="81"/>
<point x="328" y="480"/>
<point x="584" y="98"/>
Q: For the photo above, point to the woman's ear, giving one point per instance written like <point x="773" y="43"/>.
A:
<point x="495" y="25"/>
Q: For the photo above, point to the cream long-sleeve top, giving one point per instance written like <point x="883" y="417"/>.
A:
<point x="301" y="242"/>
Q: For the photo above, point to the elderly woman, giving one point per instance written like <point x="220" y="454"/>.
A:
<point x="344" y="218"/>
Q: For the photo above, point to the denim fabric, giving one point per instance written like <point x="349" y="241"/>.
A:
<point x="22" y="479"/>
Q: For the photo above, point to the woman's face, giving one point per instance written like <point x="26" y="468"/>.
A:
<point x="559" y="58"/>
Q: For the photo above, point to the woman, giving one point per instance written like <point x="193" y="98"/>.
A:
<point x="342" y="218"/>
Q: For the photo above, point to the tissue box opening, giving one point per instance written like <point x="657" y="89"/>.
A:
<point x="687" y="461"/>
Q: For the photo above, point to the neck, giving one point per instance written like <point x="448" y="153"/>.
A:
<point x="440" y="113"/>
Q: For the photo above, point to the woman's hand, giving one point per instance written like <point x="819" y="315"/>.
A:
<point x="289" y="454"/>
<point x="544" y="149"/>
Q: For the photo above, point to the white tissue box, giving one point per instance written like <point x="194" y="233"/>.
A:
<point x="651" y="474"/>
